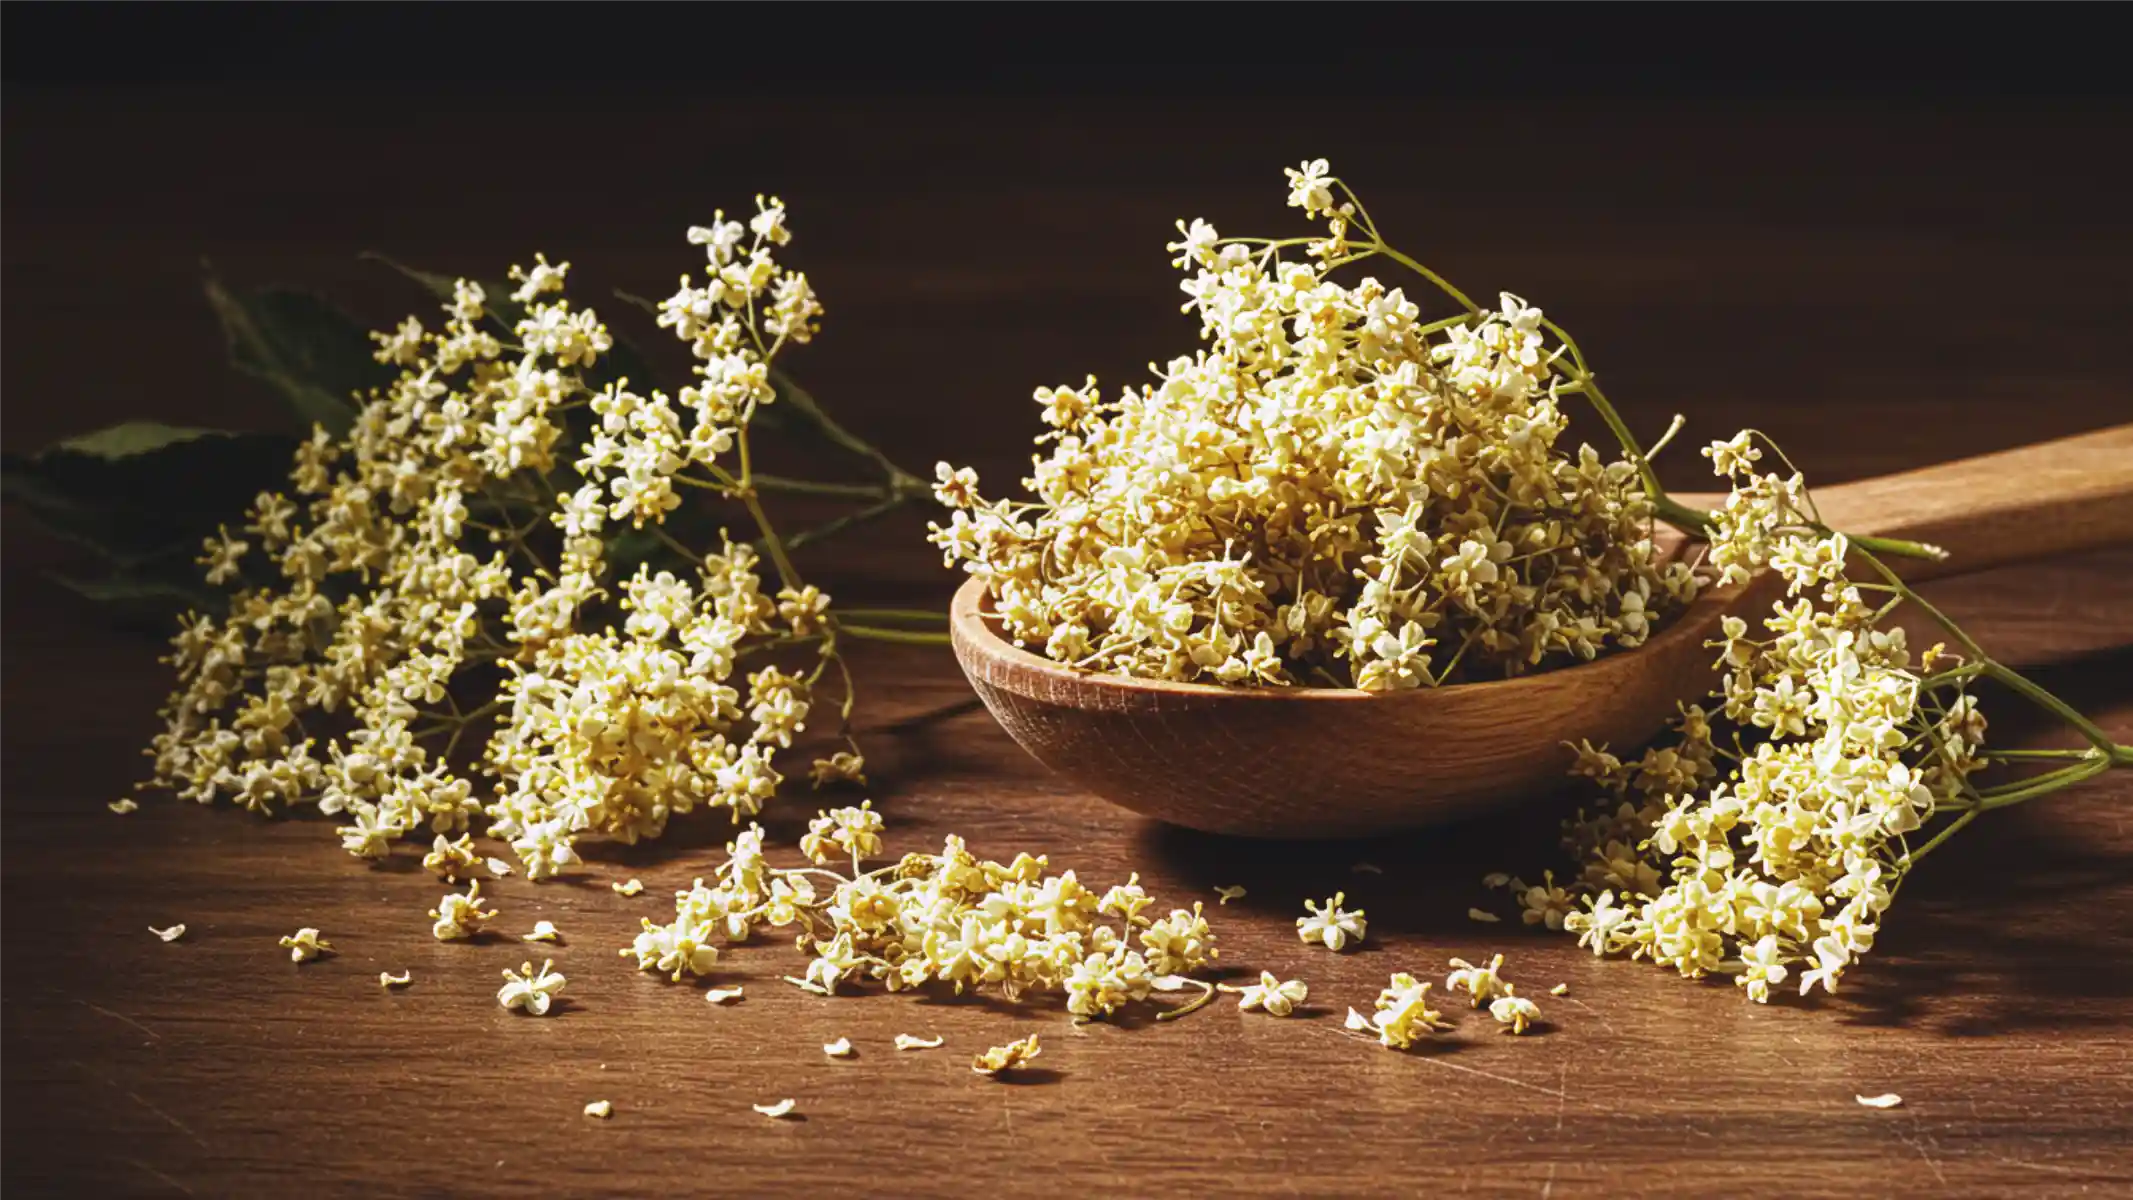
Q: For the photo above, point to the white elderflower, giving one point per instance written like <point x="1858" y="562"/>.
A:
<point x="1514" y="1011"/>
<point x="529" y="991"/>
<point x="306" y="944"/>
<point x="1001" y="1059"/>
<point x="1277" y="998"/>
<point x="459" y="917"/>
<point x="1329" y="925"/>
<point x="1413" y="514"/>
<point x="1403" y="1014"/>
<point x="1481" y="983"/>
<point x="447" y="858"/>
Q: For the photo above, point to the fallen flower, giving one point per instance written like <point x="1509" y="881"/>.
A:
<point x="305" y="945"/>
<point x="1006" y="1058"/>
<point x="530" y="991"/>
<point x="543" y="931"/>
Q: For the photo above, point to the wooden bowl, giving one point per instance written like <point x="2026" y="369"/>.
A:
<point x="1325" y="762"/>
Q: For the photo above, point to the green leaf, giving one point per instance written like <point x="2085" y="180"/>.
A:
<point x="129" y="438"/>
<point x="496" y="294"/>
<point x="139" y="493"/>
<point x="315" y="355"/>
<point x="142" y="602"/>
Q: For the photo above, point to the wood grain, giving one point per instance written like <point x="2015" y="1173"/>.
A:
<point x="1253" y="762"/>
<point x="1863" y="283"/>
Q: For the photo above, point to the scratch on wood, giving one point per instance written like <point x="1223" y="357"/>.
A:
<point x="1549" y="1186"/>
<point x="137" y="1098"/>
<point x="1531" y="1087"/>
<point x="160" y="1175"/>
<point x="119" y="1016"/>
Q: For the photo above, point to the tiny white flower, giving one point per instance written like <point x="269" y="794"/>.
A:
<point x="1515" y="1012"/>
<point x="1329" y="925"/>
<point x="1276" y="997"/>
<point x="529" y="991"/>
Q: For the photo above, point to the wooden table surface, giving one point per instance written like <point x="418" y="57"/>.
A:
<point x="1879" y="286"/>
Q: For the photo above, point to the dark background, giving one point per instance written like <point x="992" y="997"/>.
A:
<point x="1886" y="235"/>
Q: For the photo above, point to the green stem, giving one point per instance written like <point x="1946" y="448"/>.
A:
<point x="809" y="487"/>
<point x="916" y="616"/>
<point x="907" y="637"/>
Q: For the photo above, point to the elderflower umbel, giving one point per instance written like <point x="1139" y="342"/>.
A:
<point x="948" y="920"/>
<point x="1334" y="490"/>
<point x="1329" y="925"/>
<point x="305" y="944"/>
<point x="529" y="991"/>
<point x="459" y="562"/>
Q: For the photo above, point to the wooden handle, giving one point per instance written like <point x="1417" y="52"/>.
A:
<point x="2031" y="502"/>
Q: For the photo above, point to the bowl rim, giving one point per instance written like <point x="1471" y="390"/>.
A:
<point x="968" y="627"/>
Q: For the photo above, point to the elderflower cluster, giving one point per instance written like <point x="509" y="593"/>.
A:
<point x="446" y="568"/>
<point x="1332" y="490"/>
<point x="1765" y="838"/>
<point x="948" y="919"/>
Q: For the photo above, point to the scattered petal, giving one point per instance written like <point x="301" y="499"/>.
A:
<point x="497" y="866"/>
<point x="1228" y="894"/>
<point x="905" y="1041"/>
<point x="171" y="934"/>
<point x="1486" y="918"/>
<point x="123" y="805"/>
<point x="841" y="1048"/>
<point x="1560" y="989"/>
<point x="1359" y="1023"/>
<point x="722" y="995"/>
<point x="543" y="931"/>
<point x="386" y="979"/>
<point x="1008" y="1057"/>
<point x="630" y="888"/>
<point x="305" y="944"/>
<point x="602" y="1109"/>
<point x="1367" y="868"/>
<point x="782" y="1108"/>
<point x="1885" y="1100"/>
<point x="1496" y="879"/>
<point x="1515" y="1012"/>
